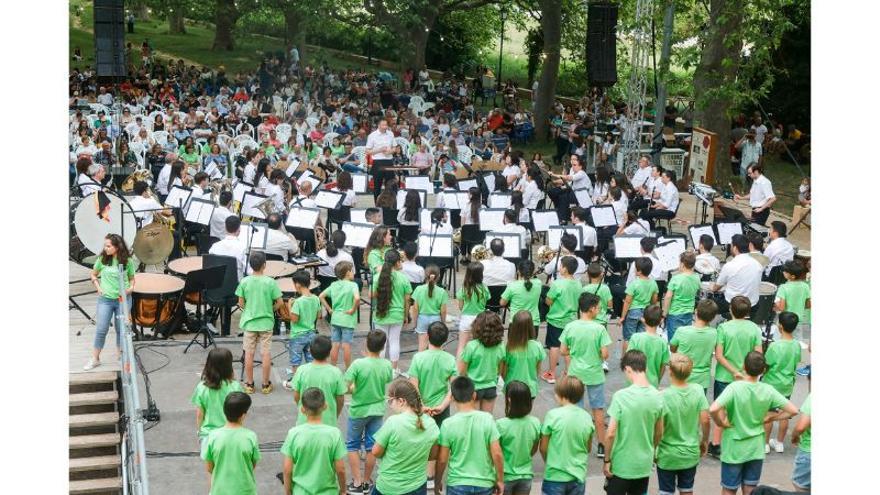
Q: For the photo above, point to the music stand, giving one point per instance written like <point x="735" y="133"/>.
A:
<point x="200" y="281"/>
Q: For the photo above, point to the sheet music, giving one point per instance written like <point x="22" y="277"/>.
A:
<point x="681" y="242"/>
<point x="401" y="197"/>
<point x="465" y="185"/>
<point x="239" y="189"/>
<point x="200" y="211"/>
<point x="303" y="218"/>
<point x="554" y="235"/>
<point x="260" y="233"/>
<point x="291" y="168"/>
<point x="668" y="253"/>
<point x="491" y="219"/>
<point x="329" y="199"/>
<point x="726" y="231"/>
<point x="357" y="234"/>
<point x="420" y="182"/>
<point x="603" y="216"/>
<point x="248" y="205"/>
<point x="359" y="215"/>
<point x="499" y="200"/>
<point x="360" y="182"/>
<point x="425" y="220"/>
<point x="627" y="246"/>
<point x="316" y="182"/>
<point x="544" y="219"/>
<point x="490" y="182"/>
<point x="178" y="196"/>
<point x="583" y="198"/>
<point x="512" y="240"/>
<point x="442" y="247"/>
<point x="697" y="231"/>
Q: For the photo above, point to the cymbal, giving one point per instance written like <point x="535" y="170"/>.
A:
<point x="153" y="244"/>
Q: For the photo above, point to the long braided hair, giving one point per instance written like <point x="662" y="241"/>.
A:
<point x="402" y="388"/>
<point x="383" y="290"/>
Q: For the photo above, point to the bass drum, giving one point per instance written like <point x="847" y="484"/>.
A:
<point x="95" y="216"/>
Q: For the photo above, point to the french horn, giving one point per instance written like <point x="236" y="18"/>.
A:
<point x="545" y="254"/>
<point x="142" y="175"/>
<point x="480" y="252"/>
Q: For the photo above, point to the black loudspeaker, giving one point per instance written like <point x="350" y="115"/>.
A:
<point x="110" y="39"/>
<point x="602" y="43"/>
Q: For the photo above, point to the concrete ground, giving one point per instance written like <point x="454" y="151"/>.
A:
<point x="174" y="466"/>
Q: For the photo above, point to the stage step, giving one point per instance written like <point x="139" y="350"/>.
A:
<point x="94" y="463"/>
<point x="93" y="398"/>
<point x="96" y="486"/>
<point x="98" y="419"/>
<point x="93" y="441"/>
<point x="92" y="377"/>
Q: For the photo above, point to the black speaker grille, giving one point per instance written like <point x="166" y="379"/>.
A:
<point x="602" y="43"/>
<point x="109" y="38"/>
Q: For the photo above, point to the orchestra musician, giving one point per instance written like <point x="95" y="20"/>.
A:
<point x="279" y="242"/>
<point x="562" y="194"/>
<point x="640" y="184"/>
<point x="667" y="203"/>
<point x="740" y="276"/>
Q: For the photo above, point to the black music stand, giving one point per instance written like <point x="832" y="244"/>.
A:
<point x="201" y="281"/>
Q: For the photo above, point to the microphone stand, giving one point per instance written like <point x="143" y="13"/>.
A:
<point x="436" y="226"/>
<point x="253" y="231"/>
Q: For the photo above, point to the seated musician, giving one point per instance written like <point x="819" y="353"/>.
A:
<point x="497" y="270"/>
<point x="740" y="276"/>
<point x="641" y="184"/>
<point x="388" y="197"/>
<point x="279" y="241"/>
<point x="665" y="206"/>
<point x="511" y="225"/>
<point x="232" y="245"/>
<point x="707" y="264"/>
<point x="779" y="250"/>
<point x="273" y="189"/>
<point x="588" y="233"/>
<point x="303" y="199"/>
<point x="760" y="196"/>
<point x="221" y="213"/>
<point x="562" y="194"/>
<point x="90" y="176"/>
<point x="568" y="243"/>
<point x="145" y="205"/>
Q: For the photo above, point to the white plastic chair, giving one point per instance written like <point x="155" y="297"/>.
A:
<point x="312" y="122"/>
<point x="402" y="142"/>
<point x="465" y="154"/>
<point x="328" y="138"/>
<point x="361" y="153"/>
<point x="161" y="137"/>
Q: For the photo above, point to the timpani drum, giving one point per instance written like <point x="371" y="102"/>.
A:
<point x="278" y="269"/>
<point x="154" y="300"/>
<point x="706" y="292"/>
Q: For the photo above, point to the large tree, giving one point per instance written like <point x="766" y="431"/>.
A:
<point x="551" y="29"/>
<point x="226" y="14"/>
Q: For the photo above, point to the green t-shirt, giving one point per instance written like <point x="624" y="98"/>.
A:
<point x="747" y="404"/>
<point x="314" y="450"/>
<point x="699" y="345"/>
<point x="259" y="293"/>
<point x="518" y="298"/>
<point x="210" y="401"/>
<point x="518" y="436"/>
<point x="468" y="436"/>
<point x="234" y="452"/>
<point x="806" y="436"/>
<point x="326" y="377"/>
<point x="482" y="363"/>
<point x="782" y="358"/>
<point x="400" y="287"/>
<point x="433" y="368"/>
<point x="430" y="305"/>
<point x="585" y="340"/>
<point x="570" y="429"/>
<point x="522" y="365"/>
<point x="736" y="338"/>
<point x="604" y="295"/>
<point x="407" y="448"/>
<point x="307" y="307"/>
<point x="565" y="293"/>
<point x="337" y="150"/>
<point x="370" y="376"/>
<point x="476" y="302"/>
<point x="341" y="294"/>
<point x="795" y="293"/>
<point x="109" y="276"/>
<point x="684" y="287"/>
<point x="190" y="158"/>
<point x="680" y="445"/>
<point x="636" y="410"/>
<point x="376" y="259"/>
<point x="656" y="351"/>
<point x="641" y="290"/>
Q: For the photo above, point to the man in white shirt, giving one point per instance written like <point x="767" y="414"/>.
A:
<point x="588" y="234"/>
<point x="647" y="245"/>
<point x="779" y="250"/>
<point x="91" y="183"/>
<point x="278" y="241"/>
<point x="164" y="179"/>
<point x="564" y="197"/>
<point x="231" y="245"/>
<point x="221" y="213"/>
<point x="707" y="263"/>
<point x="758" y="128"/>
<point x="303" y="200"/>
<point x="642" y="175"/>
<point x="511" y="225"/>
<point x="760" y="196"/>
<point x="740" y="276"/>
<point x="380" y="144"/>
<point x="666" y="205"/>
<point x="144" y="205"/>
<point x="497" y="270"/>
<point x="569" y="245"/>
<point x="105" y="98"/>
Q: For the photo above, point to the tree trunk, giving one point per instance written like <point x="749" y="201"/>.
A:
<point x="225" y="17"/>
<point x="663" y="70"/>
<point x="551" y="26"/>
<point x="175" y="22"/>
<point x="715" y="76"/>
<point x="417" y="43"/>
<point x="296" y="31"/>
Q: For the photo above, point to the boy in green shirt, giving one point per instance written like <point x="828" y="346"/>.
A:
<point x="794" y="294"/>
<point x="231" y="452"/>
<point x="345" y="298"/>
<point x="566" y="437"/>
<point x="258" y="297"/>
<point x="654" y="346"/>
<point x="736" y="338"/>
<point x="469" y="445"/>
<point x="640" y="292"/>
<point x="741" y="410"/>
<point x="782" y="358"/>
<point x="800" y="437"/>
<point x="681" y="295"/>
<point x="431" y="370"/>
<point x="562" y="299"/>
<point x="634" y="429"/>
<point x="585" y="347"/>
<point x="698" y="343"/>
<point x="324" y="376"/>
<point x="313" y="451"/>
<point x="600" y="289"/>
<point x="304" y="312"/>
<point x="367" y="378"/>
<point x="685" y="435"/>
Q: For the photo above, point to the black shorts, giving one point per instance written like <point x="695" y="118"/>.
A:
<point x="621" y="486"/>
<point x="551" y="340"/>
<point x="443" y="416"/>
<point x="487" y="393"/>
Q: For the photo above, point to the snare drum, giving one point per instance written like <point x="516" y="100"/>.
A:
<point x="154" y="301"/>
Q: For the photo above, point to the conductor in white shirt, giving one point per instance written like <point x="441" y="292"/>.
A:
<point x="497" y="270"/>
<point x="380" y="143"/>
<point x="740" y="276"/>
<point x="667" y="204"/>
<point x="231" y="245"/>
<point x="279" y="242"/>
<point x="760" y="196"/>
<point x="779" y="250"/>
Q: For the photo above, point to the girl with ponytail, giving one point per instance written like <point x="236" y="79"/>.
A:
<point x="391" y="291"/>
<point x="472" y="298"/>
<point x="523" y="293"/>
<point x="429" y="304"/>
<point x="404" y="442"/>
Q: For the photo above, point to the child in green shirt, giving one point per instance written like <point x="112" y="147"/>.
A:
<point x="566" y="437"/>
<point x="681" y="295"/>
<point x="472" y="299"/>
<point x="483" y="357"/>
<point x="523" y="293"/>
<point x="345" y="298"/>
<point x="698" y="343"/>
<point x="218" y="381"/>
<point x="523" y="354"/>
<point x="794" y="294"/>
<point x="654" y="346"/>
<point x="367" y="378"/>
<point x="231" y="452"/>
<point x="391" y="291"/>
<point x="562" y="301"/>
<point x="782" y="358"/>
<point x="259" y="297"/>
<point x="324" y="376"/>
<point x="469" y="445"/>
<point x="313" y="451"/>
<point x="520" y="433"/>
<point x="304" y="312"/>
<point x="429" y="304"/>
<point x="640" y="292"/>
<point x="606" y="301"/>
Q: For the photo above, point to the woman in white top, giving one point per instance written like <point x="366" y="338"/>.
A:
<point x="634" y="226"/>
<point x="518" y="206"/>
<point x="178" y="175"/>
<point x="409" y="214"/>
<point x="470" y="214"/>
<point x="450" y="185"/>
<point x="250" y="170"/>
<point x="333" y="254"/>
<point x="274" y="191"/>
<point x="531" y="192"/>
<point x="511" y="171"/>
<point x="603" y="185"/>
<point x="563" y="197"/>
<point x="261" y="176"/>
<point x="345" y="185"/>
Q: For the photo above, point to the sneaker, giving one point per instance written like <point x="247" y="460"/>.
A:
<point x="804" y="370"/>
<point x="354" y="490"/>
<point x="367" y="488"/>
<point x="267" y="388"/>
<point x="287" y="385"/>
<point x="289" y="371"/>
<point x="777" y="446"/>
<point x="430" y="485"/>
<point x="767" y="448"/>
<point x="549" y="377"/>
<point x="605" y="366"/>
<point x="248" y="388"/>
<point x="600" y="451"/>
<point x="92" y="364"/>
<point x="715" y="451"/>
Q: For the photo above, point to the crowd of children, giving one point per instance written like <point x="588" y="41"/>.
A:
<point x="432" y="427"/>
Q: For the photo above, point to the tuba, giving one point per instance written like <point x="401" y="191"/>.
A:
<point x="480" y="252"/>
<point x="215" y="187"/>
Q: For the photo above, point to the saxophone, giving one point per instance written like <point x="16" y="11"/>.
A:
<point x="320" y="238"/>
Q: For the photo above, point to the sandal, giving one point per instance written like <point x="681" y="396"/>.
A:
<point x="249" y="388"/>
<point x="267" y="388"/>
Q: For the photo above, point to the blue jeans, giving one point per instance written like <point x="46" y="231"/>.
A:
<point x="800" y="475"/>
<point x="422" y="490"/>
<point x="595" y="395"/>
<point x="108" y="309"/>
<point x="735" y="475"/>
<point x="683" y="478"/>
<point x="354" y="169"/>
<point x="633" y="323"/>
<point x="562" y="488"/>
<point x="298" y="348"/>
<point x="424" y="321"/>
<point x="517" y="487"/>
<point x="468" y="490"/>
<point x="341" y="334"/>
<point x="361" y="432"/>
<point x="675" y="321"/>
